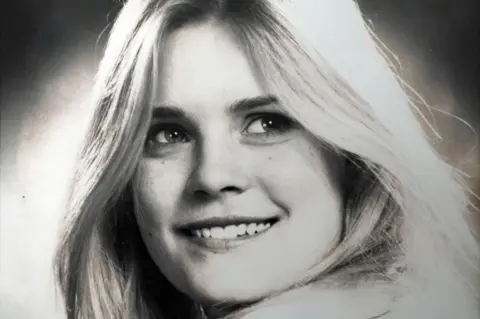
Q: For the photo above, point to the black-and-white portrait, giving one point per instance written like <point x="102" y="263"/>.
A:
<point x="207" y="159"/>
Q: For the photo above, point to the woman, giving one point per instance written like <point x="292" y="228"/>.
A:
<point x="253" y="159"/>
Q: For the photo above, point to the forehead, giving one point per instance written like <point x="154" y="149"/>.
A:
<point x="203" y="64"/>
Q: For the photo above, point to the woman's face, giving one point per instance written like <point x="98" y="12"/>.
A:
<point x="233" y="198"/>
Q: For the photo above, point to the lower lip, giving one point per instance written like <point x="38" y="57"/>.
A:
<point x="222" y="245"/>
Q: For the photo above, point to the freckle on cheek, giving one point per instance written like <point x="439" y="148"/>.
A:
<point x="150" y="234"/>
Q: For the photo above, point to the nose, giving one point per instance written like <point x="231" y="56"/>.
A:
<point x="218" y="172"/>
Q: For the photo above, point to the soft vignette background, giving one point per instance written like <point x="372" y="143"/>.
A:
<point x="44" y="116"/>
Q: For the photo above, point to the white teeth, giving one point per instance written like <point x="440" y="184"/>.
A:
<point x="251" y="228"/>
<point x="205" y="232"/>
<point x="241" y="229"/>
<point x="230" y="231"/>
<point x="216" y="232"/>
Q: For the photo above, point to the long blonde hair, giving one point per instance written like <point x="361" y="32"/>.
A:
<point x="404" y="224"/>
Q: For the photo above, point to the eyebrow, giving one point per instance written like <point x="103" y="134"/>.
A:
<point x="248" y="104"/>
<point x="238" y="106"/>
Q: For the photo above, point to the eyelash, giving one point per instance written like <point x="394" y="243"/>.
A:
<point x="285" y="122"/>
<point x="159" y="127"/>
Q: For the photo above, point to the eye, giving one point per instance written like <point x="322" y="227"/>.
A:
<point x="269" y="124"/>
<point x="162" y="134"/>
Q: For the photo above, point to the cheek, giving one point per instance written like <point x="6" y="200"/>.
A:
<point x="299" y="179"/>
<point x="298" y="171"/>
<point x="159" y="185"/>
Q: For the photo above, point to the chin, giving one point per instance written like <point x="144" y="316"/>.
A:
<point x="233" y="290"/>
<point x="226" y="296"/>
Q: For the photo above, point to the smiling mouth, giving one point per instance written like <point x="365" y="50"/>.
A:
<point x="223" y="234"/>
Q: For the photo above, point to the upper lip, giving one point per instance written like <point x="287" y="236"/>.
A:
<point x="222" y="221"/>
